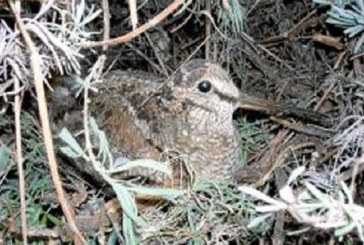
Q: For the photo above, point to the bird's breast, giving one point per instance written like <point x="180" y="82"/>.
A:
<point x="213" y="152"/>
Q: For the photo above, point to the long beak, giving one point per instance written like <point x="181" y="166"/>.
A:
<point x="270" y="108"/>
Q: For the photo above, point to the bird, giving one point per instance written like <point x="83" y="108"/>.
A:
<point x="187" y="117"/>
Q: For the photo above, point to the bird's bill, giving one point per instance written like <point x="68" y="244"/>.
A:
<point x="248" y="102"/>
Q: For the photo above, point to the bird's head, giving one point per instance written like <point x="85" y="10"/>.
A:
<point x="207" y="87"/>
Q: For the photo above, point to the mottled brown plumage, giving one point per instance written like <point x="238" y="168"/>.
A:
<point x="189" y="114"/>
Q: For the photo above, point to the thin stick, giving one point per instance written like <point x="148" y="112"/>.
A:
<point x="174" y="29"/>
<point x="19" y="155"/>
<point x="129" y="36"/>
<point x="208" y="32"/>
<point x="19" y="160"/>
<point x="47" y="135"/>
<point x="133" y="13"/>
<point x="325" y="96"/>
<point x="5" y="85"/>
<point x="106" y="19"/>
<point x="106" y="34"/>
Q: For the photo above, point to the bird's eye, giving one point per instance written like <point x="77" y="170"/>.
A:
<point x="204" y="86"/>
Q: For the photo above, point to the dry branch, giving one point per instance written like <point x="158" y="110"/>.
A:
<point x="151" y="23"/>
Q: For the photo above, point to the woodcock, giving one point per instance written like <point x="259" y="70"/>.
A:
<point x="189" y="114"/>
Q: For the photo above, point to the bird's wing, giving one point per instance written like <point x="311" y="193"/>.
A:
<point x="128" y="106"/>
<point x="138" y="112"/>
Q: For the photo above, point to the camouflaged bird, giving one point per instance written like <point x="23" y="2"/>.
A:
<point x="189" y="113"/>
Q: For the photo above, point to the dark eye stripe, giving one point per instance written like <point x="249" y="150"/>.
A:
<point x="225" y="97"/>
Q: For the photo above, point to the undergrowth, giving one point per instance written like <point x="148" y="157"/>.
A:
<point x="38" y="184"/>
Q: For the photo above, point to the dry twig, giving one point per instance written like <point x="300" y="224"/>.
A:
<point x="19" y="159"/>
<point x="106" y="34"/>
<point x="151" y="23"/>
<point x="133" y="13"/>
